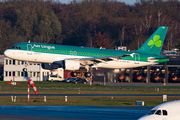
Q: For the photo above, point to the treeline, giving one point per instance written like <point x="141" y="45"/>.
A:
<point x="90" y="23"/>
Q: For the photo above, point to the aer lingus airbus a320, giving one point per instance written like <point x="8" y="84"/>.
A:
<point x="53" y="56"/>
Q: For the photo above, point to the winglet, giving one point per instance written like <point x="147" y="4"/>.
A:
<point x="155" y="42"/>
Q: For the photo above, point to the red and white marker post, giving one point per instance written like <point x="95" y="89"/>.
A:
<point x="28" y="92"/>
<point x="30" y="82"/>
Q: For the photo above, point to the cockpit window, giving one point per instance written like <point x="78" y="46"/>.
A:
<point x="164" y="112"/>
<point x="15" y="47"/>
<point x="158" y="112"/>
<point x="151" y="112"/>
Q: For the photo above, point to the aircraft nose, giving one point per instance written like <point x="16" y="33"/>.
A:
<point x="7" y="53"/>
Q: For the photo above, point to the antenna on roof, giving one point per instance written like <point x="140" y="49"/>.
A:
<point x="29" y="41"/>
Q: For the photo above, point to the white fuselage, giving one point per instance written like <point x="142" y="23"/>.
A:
<point x="50" y="58"/>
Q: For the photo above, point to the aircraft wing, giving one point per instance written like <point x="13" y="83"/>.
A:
<point x="96" y="60"/>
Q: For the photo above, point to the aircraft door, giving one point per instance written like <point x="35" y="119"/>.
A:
<point x="137" y="58"/>
<point x="72" y="53"/>
<point x="29" y="49"/>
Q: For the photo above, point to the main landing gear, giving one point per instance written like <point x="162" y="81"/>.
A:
<point x="86" y="74"/>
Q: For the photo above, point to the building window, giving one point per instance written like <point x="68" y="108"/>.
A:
<point x="26" y="74"/>
<point x="9" y="73"/>
<point x="30" y="74"/>
<point x="22" y="62"/>
<point x="6" y="73"/>
<point x="14" y="73"/>
<point x="22" y="74"/>
<point x="38" y="74"/>
<point x="44" y="74"/>
<point x="14" y="62"/>
<point x="34" y="74"/>
<point x="6" y="62"/>
<point x="10" y="62"/>
<point x="18" y="62"/>
<point x="18" y="73"/>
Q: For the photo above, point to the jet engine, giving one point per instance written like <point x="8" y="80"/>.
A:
<point x="65" y="64"/>
<point x="71" y="65"/>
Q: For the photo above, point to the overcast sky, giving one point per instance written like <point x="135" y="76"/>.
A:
<point x="130" y="2"/>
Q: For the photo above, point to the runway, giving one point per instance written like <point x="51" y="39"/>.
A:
<point x="90" y="95"/>
<point x="73" y="112"/>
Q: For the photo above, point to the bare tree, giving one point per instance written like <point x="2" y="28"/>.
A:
<point x="147" y="20"/>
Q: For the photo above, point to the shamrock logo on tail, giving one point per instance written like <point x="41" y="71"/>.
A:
<point x="155" y="41"/>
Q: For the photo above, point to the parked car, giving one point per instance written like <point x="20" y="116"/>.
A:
<point x="159" y="76"/>
<point x="80" y="80"/>
<point x="55" y="78"/>
<point x="69" y="80"/>
<point x="141" y="76"/>
<point x="124" y="77"/>
<point x="176" y="76"/>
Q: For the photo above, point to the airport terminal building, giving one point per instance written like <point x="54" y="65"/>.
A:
<point x="13" y="70"/>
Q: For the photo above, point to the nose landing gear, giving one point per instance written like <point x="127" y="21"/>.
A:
<point x="87" y="74"/>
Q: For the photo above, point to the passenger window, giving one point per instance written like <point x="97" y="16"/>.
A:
<point x="164" y="112"/>
<point x="158" y="112"/>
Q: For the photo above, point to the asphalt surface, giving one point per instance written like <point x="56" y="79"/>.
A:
<point x="72" y="112"/>
<point x="136" y="84"/>
<point x="90" y="95"/>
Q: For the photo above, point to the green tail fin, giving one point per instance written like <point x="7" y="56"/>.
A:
<point x="155" y="42"/>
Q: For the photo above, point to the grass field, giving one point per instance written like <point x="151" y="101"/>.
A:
<point x="65" y="88"/>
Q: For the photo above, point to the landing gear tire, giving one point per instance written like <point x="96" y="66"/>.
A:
<point x="24" y="69"/>
<point x="87" y="74"/>
<point x="74" y="74"/>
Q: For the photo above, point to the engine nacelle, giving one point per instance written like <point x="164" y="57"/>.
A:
<point x="71" y="65"/>
<point x="66" y="64"/>
<point x="48" y="66"/>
